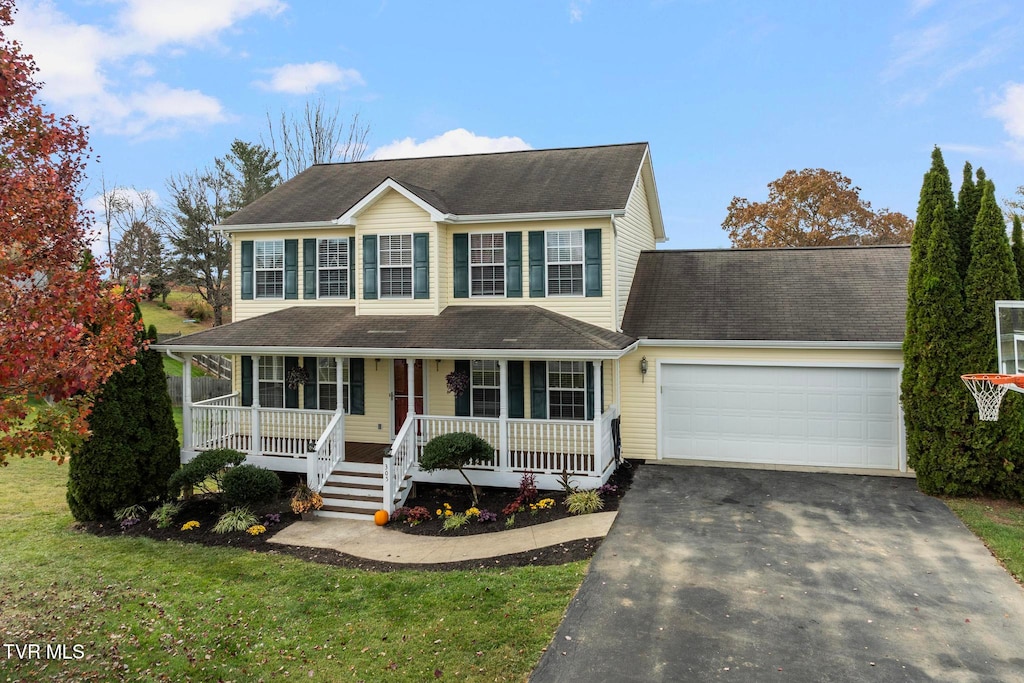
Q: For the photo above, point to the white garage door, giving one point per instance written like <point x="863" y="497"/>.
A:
<point x="819" y="417"/>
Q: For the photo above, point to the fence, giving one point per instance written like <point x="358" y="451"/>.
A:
<point x="202" y="388"/>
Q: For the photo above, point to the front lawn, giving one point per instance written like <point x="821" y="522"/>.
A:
<point x="1000" y="526"/>
<point x="144" y="609"/>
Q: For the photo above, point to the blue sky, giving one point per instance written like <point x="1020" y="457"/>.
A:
<point x="730" y="95"/>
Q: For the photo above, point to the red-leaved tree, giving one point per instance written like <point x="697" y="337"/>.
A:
<point x="63" y="330"/>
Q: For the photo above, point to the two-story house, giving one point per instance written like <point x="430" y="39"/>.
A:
<point x="378" y="304"/>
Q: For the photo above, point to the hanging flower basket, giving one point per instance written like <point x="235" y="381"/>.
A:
<point x="297" y="376"/>
<point x="458" y="382"/>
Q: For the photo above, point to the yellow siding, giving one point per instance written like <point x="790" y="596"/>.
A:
<point x="391" y="214"/>
<point x="639" y="394"/>
<point x="378" y="406"/>
<point x="635" y="234"/>
<point x="242" y="310"/>
<point x="595" y="310"/>
<point x="439" y="401"/>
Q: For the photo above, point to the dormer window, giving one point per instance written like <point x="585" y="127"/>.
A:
<point x="396" y="266"/>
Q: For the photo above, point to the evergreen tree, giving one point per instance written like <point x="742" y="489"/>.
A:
<point x="991" y="276"/>
<point x="133" y="449"/>
<point x="936" y="198"/>
<point x="968" y="203"/>
<point x="1017" y="245"/>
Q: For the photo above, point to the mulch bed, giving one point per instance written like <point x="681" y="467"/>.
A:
<point x="205" y="509"/>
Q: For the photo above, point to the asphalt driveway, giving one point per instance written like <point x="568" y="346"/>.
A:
<point x="747" y="575"/>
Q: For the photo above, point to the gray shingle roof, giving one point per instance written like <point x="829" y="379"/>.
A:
<point x="457" y="327"/>
<point x="546" y="180"/>
<point x="804" y="294"/>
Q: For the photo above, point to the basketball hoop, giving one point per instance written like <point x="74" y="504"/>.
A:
<point x="988" y="390"/>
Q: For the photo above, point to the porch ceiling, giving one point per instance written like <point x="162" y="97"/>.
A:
<point x="501" y="331"/>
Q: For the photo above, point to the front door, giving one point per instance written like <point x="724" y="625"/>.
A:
<point x="401" y="391"/>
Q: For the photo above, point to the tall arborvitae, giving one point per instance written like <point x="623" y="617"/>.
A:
<point x="1017" y="245"/>
<point x="992" y="275"/>
<point x="159" y="456"/>
<point x="936" y="195"/>
<point x="941" y="401"/>
<point x="968" y="203"/>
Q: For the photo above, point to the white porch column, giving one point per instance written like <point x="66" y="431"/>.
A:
<point x="598" y="408"/>
<point x="256" y="444"/>
<point x="503" y="458"/>
<point x="186" y="403"/>
<point x="339" y="379"/>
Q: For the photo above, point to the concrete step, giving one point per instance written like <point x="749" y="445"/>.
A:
<point x="345" y="513"/>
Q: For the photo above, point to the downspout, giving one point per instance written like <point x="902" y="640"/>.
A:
<point x="616" y="385"/>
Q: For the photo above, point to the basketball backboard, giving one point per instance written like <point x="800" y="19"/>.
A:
<point x="1010" y="338"/>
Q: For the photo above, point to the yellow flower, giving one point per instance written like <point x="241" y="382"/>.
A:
<point x="447" y="513"/>
<point x="256" y="530"/>
<point x="439" y="513"/>
<point x="472" y="512"/>
<point x="447" y="506"/>
<point x="188" y="526"/>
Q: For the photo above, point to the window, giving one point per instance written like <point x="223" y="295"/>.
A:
<point x="487" y="264"/>
<point x="332" y="268"/>
<point x="271" y="374"/>
<point x="485" y="383"/>
<point x="396" y="266"/>
<point x="567" y="390"/>
<point x="327" y="384"/>
<point x="565" y="262"/>
<point x="269" y="268"/>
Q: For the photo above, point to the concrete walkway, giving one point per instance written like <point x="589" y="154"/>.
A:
<point x="371" y="542"/>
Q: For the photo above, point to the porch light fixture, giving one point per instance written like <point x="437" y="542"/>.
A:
<point x="437" y="368"/>
<point x="376" y="363"/>
<point x="643" y="368"/>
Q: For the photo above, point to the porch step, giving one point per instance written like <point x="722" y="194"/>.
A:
<point x="353" y="491"/>
<point x="363" y="468"/>
<point x="344" y="513"/>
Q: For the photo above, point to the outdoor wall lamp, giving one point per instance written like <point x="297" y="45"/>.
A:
<point x="376" y="363"/>
<point x="643" y="368"/>
<point x="437" y="368"/>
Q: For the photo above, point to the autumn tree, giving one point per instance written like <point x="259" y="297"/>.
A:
<point x="316" y="136"/>
<point x="812" y="208"/>
<point x="63" y="332"/>
<point x="139" y="254"/>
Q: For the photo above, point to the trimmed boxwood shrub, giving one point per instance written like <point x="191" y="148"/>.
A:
<point x="207" y="465"/>
<point x="455" y="451"/>
<point x="250" y="485"/>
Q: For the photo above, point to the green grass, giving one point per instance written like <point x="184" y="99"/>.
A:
<point x="999" y="524"/>
<point x="147" y="610"/>
<point x="170" y="321"/>
<point x="174" y="368"/>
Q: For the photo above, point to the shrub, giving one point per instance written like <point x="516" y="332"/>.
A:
<point x="565" y="481"/>
<point x="417" y="514"/>
<point x="198" y="310"/>
<point x="165" y="514"/>
<point x="208" y="465"/>
<point x="605" y="490"/>
<point x="455" y="521"/>
<point x="158" y="287"/>
<point x="584" y="502"/>
<point x="528" y="487"/>
<point x="510" y="521"/>
<point x="455" y="451"/>
<point x="486" y="516"/>
<point x="250" y="485"/>
<point x="235" y="519"/>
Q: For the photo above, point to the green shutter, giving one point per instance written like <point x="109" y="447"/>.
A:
<point x="309" y="268"/>
<point x="291" y="396"/>
<point x="247" y="261"/>
<point x="513" y="264"/>
<point x="247" y="379"/>
<point x="538" y="389"/>
<point x="590" y="390"/>
<point x="357" y="386"/>
<point x="516" y="389"/>
<point x="462" y="401"/>
<point x="460" y="262"/>
<point x="592" y="262"/>
<point x="536" y="263"/>
<point x="369" y="266"/>
<point x="291" y="269"/>
<point x="421" y="265"/>
<point x="309" y="392"/>
<point x="351" y="267"/>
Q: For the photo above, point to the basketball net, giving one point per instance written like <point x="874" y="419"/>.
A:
<point x="989" y="390"/>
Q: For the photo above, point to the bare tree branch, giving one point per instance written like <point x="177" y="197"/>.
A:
<point x="316" y="136"/>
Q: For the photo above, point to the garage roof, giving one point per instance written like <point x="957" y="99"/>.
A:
<point x="821" y="294"/>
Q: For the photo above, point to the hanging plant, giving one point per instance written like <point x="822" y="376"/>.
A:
<point x="296" y="376"/>
<point x="458" y="382"/>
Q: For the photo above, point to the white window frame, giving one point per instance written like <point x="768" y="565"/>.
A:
<point x="479" y="265"/>
<point x="257" y="247"/>
<point x="381" y="266"/>
<point x="320" y="268"/>
<point x="275" y="366"/>
<point x="326" y="367"/>
<point x="548" y="262"/>
<point x="582" y="390"/>
<point x="496" y="369"/>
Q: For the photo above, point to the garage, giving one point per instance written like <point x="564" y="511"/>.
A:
<point x="836" y="417"/>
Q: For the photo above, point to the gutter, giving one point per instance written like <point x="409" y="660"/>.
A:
<point x="368" y="352"/>
<point x="771" y="344"/>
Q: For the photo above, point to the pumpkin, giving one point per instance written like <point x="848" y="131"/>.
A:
<point x="381" y="517"/>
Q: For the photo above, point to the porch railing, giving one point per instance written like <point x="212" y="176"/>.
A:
<point x="288" y="432"/>
<point x="222" y="423"/>
<point x="329" y="450"/>
<point x="404" y="454"/>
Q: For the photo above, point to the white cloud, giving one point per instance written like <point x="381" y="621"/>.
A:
<point x="458" y="141"/>
<point x="1010" y="110"/>
<point x="80" y="63"/>
<point x="302" y="79"/>
<point x="918" y="6"/>
<point x="576" y="9"/>
<point x="915" y="48"/>
<point x="959" y="148"/>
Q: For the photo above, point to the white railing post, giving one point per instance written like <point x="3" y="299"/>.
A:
<point x="411" y="384"/>
<point x="598" y="447"/>
<point x="503" y="458"/>
<point x="339" y="382"/>
<point x="186" y="403"/>
<point x="255" y="443"/>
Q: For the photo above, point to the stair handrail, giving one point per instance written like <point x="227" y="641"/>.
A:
<point x="398" y="460"/>
<point x="328" y="452"/>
